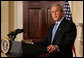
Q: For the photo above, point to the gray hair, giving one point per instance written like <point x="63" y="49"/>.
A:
<point x="59" y="5"/>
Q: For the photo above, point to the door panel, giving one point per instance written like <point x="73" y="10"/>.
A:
<point x="34" y="15"/>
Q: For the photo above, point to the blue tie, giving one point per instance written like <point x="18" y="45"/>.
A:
<point x="53" y="32"/>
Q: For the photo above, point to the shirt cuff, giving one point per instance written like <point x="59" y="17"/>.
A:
<point x="57" y="48"/>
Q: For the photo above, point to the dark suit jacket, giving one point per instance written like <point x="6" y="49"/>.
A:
<point x="64" y="38"/>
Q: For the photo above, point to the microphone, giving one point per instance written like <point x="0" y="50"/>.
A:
<point x="12" y="35"/>
<point x="18" y="31"/>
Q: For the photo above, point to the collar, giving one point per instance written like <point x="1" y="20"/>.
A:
<point x="59" y="20"/>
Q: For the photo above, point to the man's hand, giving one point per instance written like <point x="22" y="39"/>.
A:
<point x="30" y="42"/>
<point x="51" y="48"/>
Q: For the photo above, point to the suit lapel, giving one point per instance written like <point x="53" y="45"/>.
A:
<point x="50" y="33"/>
<point x="61" y="26"/>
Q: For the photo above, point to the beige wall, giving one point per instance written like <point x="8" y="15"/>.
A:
<point x="4" y="19"/>
<point x="19" y="18"/>
<point x="77" y="11"/>
<point x="7" y="18"/>
<point x="79" y="41"/>
<point x="11" y="15"/>
<point x="77" y="15"/>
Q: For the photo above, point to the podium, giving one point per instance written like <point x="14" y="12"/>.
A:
<point x="17" y="49"/>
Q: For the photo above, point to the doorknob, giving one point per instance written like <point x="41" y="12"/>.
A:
<point x="25" y="34"/>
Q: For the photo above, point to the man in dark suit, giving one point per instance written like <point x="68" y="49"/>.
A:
<point x="60" y="37"/>
<point x="59" y="41"/>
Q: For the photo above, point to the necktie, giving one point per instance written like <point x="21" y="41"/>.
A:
<point x="53" y="32"/>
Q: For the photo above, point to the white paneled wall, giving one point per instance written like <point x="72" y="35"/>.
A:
<point x="79" y="40"/>
<point x="77" y="15"/>
<point x="19" y="18"/>
<point x="4" y="19"/>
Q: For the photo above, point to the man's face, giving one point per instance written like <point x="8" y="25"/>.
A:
<point x="56" y="13"/>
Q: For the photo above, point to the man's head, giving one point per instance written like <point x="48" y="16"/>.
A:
<point x="57" y="11"/>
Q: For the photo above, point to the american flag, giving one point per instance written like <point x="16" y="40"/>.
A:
<point x="67" y="11"/>
<point x="69" y="17"/>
